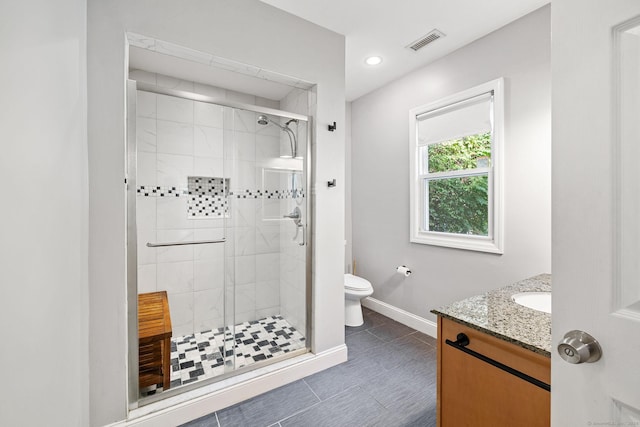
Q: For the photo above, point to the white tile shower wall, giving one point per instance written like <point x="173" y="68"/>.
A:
<point x="178" y="139"/>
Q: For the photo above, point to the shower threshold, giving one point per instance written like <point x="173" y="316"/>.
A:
<point x="202" y="355"/>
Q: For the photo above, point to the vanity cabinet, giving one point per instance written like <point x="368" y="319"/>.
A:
<point x="474" y="392"/>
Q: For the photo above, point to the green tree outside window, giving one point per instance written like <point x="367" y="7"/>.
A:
<point x="459" y="204"/>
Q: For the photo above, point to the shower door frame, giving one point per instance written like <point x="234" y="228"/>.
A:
<point x="134" y="400"/>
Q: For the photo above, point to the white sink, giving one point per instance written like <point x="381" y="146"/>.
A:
<point x="540" y="301"/>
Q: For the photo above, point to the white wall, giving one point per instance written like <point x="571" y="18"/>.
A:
<point x="43" y="222"/>
<point x="519" y="52"/>
<point x="237" y="30"/>
<point x="348" y="219"/>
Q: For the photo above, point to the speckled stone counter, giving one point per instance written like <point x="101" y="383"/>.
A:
<point x="495" y="313"/>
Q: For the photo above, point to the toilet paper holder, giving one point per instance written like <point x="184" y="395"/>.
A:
<point x="404" y="270"/>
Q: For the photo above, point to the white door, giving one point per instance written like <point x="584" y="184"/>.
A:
<point x="596" y="208"/>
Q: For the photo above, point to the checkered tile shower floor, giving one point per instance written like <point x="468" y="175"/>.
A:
<point x="200" y="356"/>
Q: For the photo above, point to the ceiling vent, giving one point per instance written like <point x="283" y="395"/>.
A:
<point x="425" y="40"/>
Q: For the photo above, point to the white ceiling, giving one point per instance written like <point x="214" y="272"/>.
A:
<point x="385" y="27"/>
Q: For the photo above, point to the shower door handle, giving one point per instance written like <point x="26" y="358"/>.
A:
<point x="304" y="235"/>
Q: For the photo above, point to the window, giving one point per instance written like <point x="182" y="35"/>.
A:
<point x="456" y="170"/>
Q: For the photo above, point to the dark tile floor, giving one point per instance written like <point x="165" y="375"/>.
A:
<point x="388" y="381"/>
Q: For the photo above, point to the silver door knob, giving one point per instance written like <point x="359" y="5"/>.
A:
<point x="579" y="347"/>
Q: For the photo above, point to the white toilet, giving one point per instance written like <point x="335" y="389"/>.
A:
<point x="355" y="288"/>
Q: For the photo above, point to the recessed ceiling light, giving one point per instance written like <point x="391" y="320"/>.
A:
<point x="373" y="60"/>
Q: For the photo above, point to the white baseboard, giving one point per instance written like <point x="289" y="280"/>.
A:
<point x="399" y="315"/>
<point x="273" y="377"/>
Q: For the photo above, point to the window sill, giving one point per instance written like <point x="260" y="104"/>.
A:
<point x="455" y="241"/>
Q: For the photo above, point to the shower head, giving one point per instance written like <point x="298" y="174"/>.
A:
<point x="264" y="120"/>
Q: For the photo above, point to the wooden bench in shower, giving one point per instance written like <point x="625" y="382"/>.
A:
<point x="154" y="340"/>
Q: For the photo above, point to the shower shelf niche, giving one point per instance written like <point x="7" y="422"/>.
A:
<point x="207" y="197"/>
<point x="280" y="184"/>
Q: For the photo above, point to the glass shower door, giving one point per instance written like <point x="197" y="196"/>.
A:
<point x="219" y="218"/>
<point x="181" y="216"/>
<point x="266" y="236"/>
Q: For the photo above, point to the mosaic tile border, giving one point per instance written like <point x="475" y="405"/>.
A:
<point x="268" y="194"/>
<point x="200" y="356"/>
<point x="160" y="191"/>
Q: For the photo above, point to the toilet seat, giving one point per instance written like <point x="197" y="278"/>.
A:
<point x="355" y="283"/>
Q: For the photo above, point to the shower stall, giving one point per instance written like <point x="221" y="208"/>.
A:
<point x="219" y="250"/>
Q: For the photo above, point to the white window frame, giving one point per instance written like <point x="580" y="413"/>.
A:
<point x="494" y="242"/>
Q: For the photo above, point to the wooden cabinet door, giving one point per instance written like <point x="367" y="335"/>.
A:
<point x="473" y="393"/>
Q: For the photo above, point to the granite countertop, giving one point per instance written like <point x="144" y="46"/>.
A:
<point x="496" y="314"/>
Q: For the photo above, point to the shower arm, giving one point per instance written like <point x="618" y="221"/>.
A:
<point x="292" y="137"/>
<point x="292" y="141"/>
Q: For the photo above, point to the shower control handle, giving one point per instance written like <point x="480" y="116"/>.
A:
<point x="296" y="216"/>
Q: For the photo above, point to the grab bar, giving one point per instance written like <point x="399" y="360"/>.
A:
<point x="198" y="242"/>
<point x="462" y="340"/>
